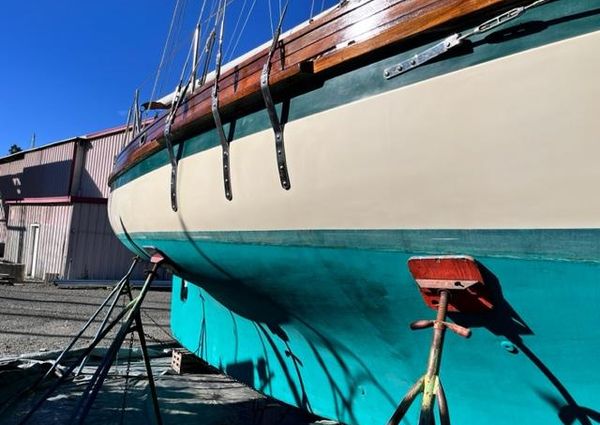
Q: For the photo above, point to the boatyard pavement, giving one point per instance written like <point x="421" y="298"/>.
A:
<point x="41" y="317"/>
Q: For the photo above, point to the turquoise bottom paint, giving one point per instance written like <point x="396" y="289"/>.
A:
<point x="326" y="327"/>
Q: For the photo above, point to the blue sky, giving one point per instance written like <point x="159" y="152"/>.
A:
<point x="70" y="67"/>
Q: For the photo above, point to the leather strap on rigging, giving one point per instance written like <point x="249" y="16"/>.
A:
<point x="276" y="123"/>
<point x="215" y="110"/>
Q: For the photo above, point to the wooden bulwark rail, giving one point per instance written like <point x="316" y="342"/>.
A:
<point x="352" y="30"/>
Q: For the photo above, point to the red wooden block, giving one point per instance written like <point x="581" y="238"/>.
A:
<point x="459" y="275"/>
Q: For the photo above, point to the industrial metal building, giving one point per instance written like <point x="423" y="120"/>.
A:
<point x="53" y="217"/>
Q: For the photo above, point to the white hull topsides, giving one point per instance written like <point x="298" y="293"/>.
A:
<point x="508" y="144"/>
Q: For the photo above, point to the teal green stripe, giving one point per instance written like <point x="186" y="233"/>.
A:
<point x="551" y="22"/>
<point x="539" y="244"/>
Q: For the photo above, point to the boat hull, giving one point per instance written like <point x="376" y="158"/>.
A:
<point x="479" y="148"/>
<point x="345" y="351"/>
<point x="306" y="294"/>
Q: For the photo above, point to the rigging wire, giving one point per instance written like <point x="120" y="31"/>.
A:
<point x="205" y="32"/>
<point x="176" y="40"/>
<point x="195" y="46"/>
<point x="187" y="60"/>
<point x="185" y="64"/>
<point x="199" y="24"/>
<point x="211" y="13"/>
<point x="214" y="14"/>
<point x="162" y="59"/>
<point x="235" y="28"/>
<point x="201" y="12"/>
<point x="270" y="16"/>
<point x="221" y="17"/>
<point x="174" y="45"/>
<point x="237" y="41"/>
<point x="169" y="54"/>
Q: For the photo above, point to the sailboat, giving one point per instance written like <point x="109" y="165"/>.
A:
<point x="374" y="167"/>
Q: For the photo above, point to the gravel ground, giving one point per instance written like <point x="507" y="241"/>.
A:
<point x="35" y="317"/>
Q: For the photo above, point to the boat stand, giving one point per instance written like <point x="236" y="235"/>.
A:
<point x="130" y="314"/>
<point x="448" y="283"/>
<point x="430" y="384"/>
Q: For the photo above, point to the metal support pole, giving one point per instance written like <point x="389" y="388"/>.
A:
<point x="406" y="402"/>
<point x="137" y="117"/>
<point x="429" y="384"/>
<point x="431" y="381"/>
<point x="125" y="137"/>
<point x="118" y="290"/>
<point x="195" y="56"/>
<point x="130" y="312"/>
<point x="443" y="406"/>
<point x="71" y="368"/>
<point x="140" y="331"/>
<point x="99" y="376"/>
<point x="146" y="358"/>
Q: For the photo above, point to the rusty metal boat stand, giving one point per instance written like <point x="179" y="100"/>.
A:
<point x="447" y="283"/>
<point x="430" y="384"/>
<point x="130" y="320"/>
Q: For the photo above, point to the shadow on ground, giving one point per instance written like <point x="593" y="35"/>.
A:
<point x="206" y="398"/>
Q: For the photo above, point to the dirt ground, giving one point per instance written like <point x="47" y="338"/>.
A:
<point x="35" y="316"/>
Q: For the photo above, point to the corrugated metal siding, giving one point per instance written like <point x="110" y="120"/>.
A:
<point x="58" y="153"/>
<point x="50" y="154"/>
<point x="3" y="222"/>
<point x="47" y="172"/>
<point x="15" y="233"/>
<point x="15" y="167"/>
<point x="94" y="251"/>
<point x="32" y="159"/>
<point x="11" y="175"/>
<point x="54" y="223"/>
<point x="75" y="240"/>
<point x="99" y="159"/>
